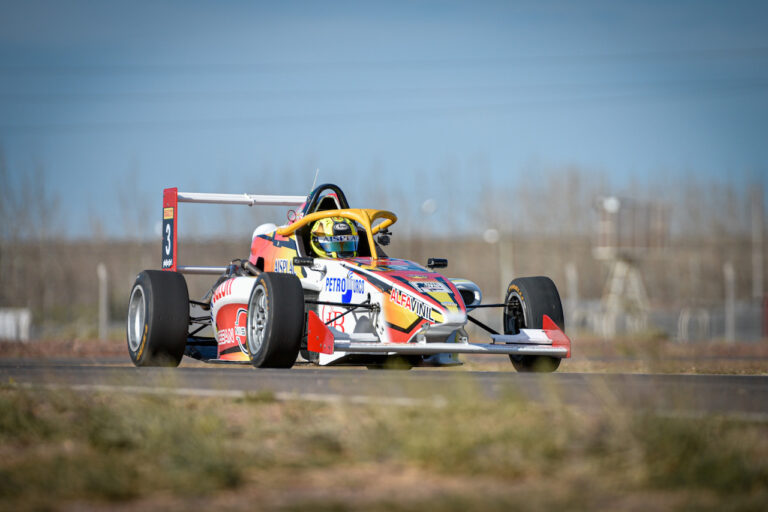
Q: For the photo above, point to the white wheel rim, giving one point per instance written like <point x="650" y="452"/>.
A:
<point x="522" y="308"/>
<point x="257" y="319"/>
<point x="136" y="317"/>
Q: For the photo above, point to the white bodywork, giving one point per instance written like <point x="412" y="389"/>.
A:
<point x="333" y="282"/>
<point x="360" y="330"/>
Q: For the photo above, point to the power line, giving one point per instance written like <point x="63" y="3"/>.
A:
<point x="418" y="64"/>
<point x="271" y="94"/>
<point x="422" y="112"/>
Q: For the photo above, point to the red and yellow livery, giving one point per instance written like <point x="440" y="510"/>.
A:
<point x="284" y="303"/>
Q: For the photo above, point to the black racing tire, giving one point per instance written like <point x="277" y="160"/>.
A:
<point x="527" y="300"/>
<point x="275" y="320"/>
<point x="158" y="318"/>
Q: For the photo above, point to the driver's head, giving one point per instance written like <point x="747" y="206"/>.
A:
<point x="334" y="237"/>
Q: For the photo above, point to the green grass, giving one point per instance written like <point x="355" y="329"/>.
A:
<point x="60" y="448"/>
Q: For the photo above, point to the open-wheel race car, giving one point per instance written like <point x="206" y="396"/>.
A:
<point x="321" y="289"/>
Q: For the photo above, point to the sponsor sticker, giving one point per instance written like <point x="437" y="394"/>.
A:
<point x="241" y="321"/>
<point x="226" y="337"/>
<point x="284" y="266"/>
<point x="333" y="315"/>
<point x="430" y="286"/>
<point x="339" y="238"/>
<point x="348" y="286"/>
<point x="222" y="291"/>
<point x="167" y="213"/>
<point x="340" y="227"/>
<point x="411" y="303"/>
<point x="236" y="334"/>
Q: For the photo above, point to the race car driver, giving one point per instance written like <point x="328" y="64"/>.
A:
<point x="334" y="237"/>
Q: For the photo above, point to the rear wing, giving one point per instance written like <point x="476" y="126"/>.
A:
<point x="171" y="199"/>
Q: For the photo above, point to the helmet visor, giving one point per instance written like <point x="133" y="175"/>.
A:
<point x="340" y="244"/>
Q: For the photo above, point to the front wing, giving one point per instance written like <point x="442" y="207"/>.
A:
<point x="548" y="341"/>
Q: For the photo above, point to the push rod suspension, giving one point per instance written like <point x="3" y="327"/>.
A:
<point x="365" y="305"/>
<point x="351" y="307"/>
<point x="481" y="324"/>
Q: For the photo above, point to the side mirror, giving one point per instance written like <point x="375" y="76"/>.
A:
<point x="383" y="237"/>
<point x="437" y="263"/>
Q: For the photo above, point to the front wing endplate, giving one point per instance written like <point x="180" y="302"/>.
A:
<point x="319" y="337"/>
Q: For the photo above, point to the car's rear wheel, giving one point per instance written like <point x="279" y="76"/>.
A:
<point x="275" y="320"/>
<point x="158" y="318"/>
<point x="528" y="300"/>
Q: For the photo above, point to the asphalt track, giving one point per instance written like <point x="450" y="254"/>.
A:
<point x="685" y="395"/>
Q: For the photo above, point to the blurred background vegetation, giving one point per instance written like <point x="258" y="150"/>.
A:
<point x="681" y="244"/>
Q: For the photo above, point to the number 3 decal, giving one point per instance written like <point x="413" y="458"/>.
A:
<point x="168" y="239"/>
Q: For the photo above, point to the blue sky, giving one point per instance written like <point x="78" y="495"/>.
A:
<point x="252" y="97"/>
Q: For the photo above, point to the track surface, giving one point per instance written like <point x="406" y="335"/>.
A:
<point x="740" y="396"/>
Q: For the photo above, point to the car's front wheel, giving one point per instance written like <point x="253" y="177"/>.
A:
<point x="275" y="320"/>
<point x="528" y="300"/>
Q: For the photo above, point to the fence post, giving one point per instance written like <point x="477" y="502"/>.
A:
<point x="765" y="317"/>
<point x="572" y="289"/>
<point x="730" y="301"/>
<point x="101" y="272"/>
<point x="758" y="214"/>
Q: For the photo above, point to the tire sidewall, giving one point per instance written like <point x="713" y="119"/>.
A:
<point x="284" y="318"/>
<point x="138" y="356"/>
<point x="538" y="296"/>
<point x="258" y="358"/>
<point x="166" y="319"/>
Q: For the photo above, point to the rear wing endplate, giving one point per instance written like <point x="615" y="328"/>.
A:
<point x="171" y="199"/>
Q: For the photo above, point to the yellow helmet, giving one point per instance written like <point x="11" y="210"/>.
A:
<point x="334" y="237"/>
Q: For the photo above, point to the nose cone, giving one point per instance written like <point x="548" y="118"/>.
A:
<point x="451" y="315"/>
<point x="446" y="320"/>
<point x="447" y="308"/>
<point x="416" y="300"/>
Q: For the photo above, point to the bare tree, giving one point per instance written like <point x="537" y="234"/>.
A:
<point x="7" y="205"/>
<point x="134" y="206"/>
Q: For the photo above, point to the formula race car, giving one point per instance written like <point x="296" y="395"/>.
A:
<point x="356" y="306"/>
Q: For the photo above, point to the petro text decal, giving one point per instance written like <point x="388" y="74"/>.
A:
<point x="348" y="286"/>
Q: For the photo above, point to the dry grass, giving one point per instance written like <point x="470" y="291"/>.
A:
<point x="62" y="450"/>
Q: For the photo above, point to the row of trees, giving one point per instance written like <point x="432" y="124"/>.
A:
<point x="542" y="219"/>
